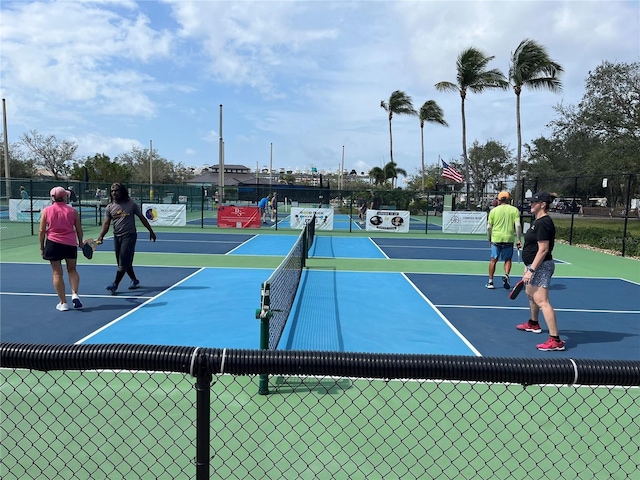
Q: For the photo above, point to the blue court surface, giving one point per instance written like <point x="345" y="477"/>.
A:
<point x="382" y="312"/>
<point x="347" y="311"/>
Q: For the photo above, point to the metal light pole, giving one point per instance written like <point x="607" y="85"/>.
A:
<point x="7" y="172"/>
<point x="342" y="171"/>
<point x="221" y="164"/>
<point x="271" y="168"/>
<point x="150" y="170"/>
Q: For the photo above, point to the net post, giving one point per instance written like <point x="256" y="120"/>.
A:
<point x="264" y="314"/>
<point x="305" y="245"/>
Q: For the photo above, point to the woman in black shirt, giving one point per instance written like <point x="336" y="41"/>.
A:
<point x="539" y="267"/>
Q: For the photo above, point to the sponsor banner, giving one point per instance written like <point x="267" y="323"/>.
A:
<point x="301" y="216"/>
<point x="238" y="217"/>
<point x="165" y="215"/>
<point x="388" y="220"/>
<point x="464" y="222"/>
<point x="20" y="210"/>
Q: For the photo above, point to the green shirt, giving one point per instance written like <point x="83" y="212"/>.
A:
<point x="503" y="219"/>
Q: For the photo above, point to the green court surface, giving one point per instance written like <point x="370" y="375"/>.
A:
<point x="314" y="427"/>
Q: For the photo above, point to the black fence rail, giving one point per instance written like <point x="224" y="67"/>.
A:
<point x="155" y="412"/>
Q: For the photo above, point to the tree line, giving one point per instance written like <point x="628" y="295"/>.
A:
<point x="530" y="66"/>
<point x="57" y="158"/>
<point x="599" y="135"/>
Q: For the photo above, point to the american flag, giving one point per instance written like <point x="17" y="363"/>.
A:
<point x="451" y="173"/>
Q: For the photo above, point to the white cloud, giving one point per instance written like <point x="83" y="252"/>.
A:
<point x="305" y="76"/>
<point x="90" y="145"/>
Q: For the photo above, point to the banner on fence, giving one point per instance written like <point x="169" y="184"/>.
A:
<point x="464" y="222"/>
<point x="238" y="217"/>
<point x="165" y="215"/>
<point x="388" y="220"/>
<point x="20" y="210"/>
<point x="301" y="216"/>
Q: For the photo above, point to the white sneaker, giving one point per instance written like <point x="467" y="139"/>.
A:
<point x="62" y="307"/>
<point x="76" y="301"/>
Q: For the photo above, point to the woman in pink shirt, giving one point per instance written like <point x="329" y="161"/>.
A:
<point x="60" y="224"/>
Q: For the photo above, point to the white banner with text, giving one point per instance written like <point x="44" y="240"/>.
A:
<point x="165" y="215"/>
<point x="388" y="220"/>
<point x="301" y="216"/>
<point x="464" y="222"/>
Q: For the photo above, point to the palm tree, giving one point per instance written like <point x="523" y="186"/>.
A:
<point x="429" y="112"/>
<point x="531" y="67"/>
<point x="377" y="175"/>
<point x="391" y="171"/>
<point x="399" y="103"/>
<point x="472" y="76"/>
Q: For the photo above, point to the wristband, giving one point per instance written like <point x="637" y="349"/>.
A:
<point x="531" y="270"/>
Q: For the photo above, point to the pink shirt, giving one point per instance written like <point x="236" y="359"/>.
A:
<point x="61" y="220"/>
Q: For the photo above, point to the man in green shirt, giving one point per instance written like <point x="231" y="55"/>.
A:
<point x="504" y="222"/>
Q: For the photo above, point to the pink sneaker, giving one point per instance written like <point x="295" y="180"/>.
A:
<point x="529" y="327"/>
<point x="551" y="345"/>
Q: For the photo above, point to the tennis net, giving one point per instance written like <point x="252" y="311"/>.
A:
<point x="279" y="290"/>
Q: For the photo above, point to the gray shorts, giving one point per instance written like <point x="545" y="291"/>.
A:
<point x="542" y="275"/>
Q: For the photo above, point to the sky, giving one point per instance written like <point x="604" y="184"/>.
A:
<point x="300" y="82"/>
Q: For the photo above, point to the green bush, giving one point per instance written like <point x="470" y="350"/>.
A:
<point x="607" y="239"/>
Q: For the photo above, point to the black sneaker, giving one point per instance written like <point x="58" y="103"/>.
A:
<point x="489" y="285"/>
<point x="505" y="281"/>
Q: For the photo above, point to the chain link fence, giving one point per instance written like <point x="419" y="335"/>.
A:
<point x="154" y="412"/>
<point x="601" y="212"/>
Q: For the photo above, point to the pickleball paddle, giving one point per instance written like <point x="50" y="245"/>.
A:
<point x="515" y="291"/>
<point x="89" y="247"/>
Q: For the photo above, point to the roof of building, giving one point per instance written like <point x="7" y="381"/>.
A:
<point x="230" y="179"/>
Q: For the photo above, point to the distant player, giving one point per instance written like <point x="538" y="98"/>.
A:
<point x="375" y="202"/>
<point x="262" y="205"/>
<point x="503" y="224"/>
<point x="274" y="207"/>
<point x="362" y="209"/>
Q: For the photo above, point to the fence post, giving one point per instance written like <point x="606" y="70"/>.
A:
<point x="627" y="208"/>
<point x="264" y="314"/>
<point x="203" y="418"/>
<point x="575" y="192"/>
<point x="202" y="206"/>
<point x="426" y="219"/>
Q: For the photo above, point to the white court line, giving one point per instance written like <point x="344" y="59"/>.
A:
<point x="82" y="296"/>
<point x="242" y="244"/>
<point x="444" y="319"/>
<point x="113" y="322"/>
<point x="581" y="310"/>
<point x="379" y="249"/>
<point x="387" y="245"/>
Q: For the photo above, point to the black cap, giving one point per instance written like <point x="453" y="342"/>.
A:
<point x="541" y="197"/>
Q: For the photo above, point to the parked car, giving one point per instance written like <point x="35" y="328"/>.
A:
<point x="566" y="205"/>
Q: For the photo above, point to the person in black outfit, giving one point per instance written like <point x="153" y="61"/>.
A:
<point x="73" y="198"/>
<point x="375" y="202"/>
<point x="362" y="209"/>
<point x="539" y="267"/>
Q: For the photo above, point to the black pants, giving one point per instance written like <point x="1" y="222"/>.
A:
<point x="125" y="248"/>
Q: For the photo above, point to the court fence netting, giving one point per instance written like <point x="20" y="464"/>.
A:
<point x="170" y="412"/>
<point x="602" y="211"/>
